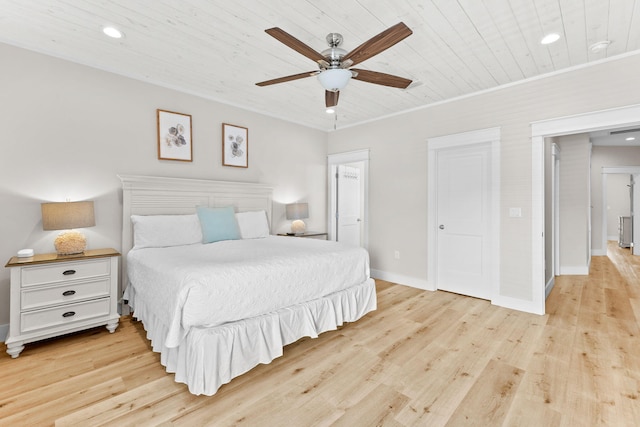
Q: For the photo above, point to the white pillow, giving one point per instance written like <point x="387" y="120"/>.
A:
<point x="253" y="225"/>
<point x="160" y="231"/>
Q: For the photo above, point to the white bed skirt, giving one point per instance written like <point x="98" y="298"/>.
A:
<point x="211" y="357"/>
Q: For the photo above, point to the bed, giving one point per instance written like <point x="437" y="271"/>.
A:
<point x="217" y="309"/>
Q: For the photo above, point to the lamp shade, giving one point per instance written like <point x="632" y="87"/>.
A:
<point x="334" y="79"/>
<point x="67" y="215"/>
<point x="297" y="211"/>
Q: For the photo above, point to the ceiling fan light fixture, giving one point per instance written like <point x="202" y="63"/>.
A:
<point x="334" y="79"/>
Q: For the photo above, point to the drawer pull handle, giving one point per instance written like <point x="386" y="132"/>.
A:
<point x="69" y="314"/>
<point x="68" y="293"/>
<point x="69" y="272"/>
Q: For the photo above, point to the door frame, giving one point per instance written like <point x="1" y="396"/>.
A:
<point x="333" y="160"/>
<point x="633" y="171"/>
<point x="482" y="136"/>
<point x="555" y="202"/>
<point x="581" y="123"/>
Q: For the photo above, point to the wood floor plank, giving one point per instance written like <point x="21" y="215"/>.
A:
<point x="618" y="305"/>
<point x="422" y="359"/>
<point x="488" y="401"/>
<point x="627" y="397"/>
<point x="545" y="383"/>
<point x="73" y="385"/>
<point x="520" y="414"/>
<point x="124" y="404"/>
<point x="518" y="347"/>
<point x="565" y="306"/>
<point x="441" y="385"/>
<point x="45" y="411"/>
<point x="376" y="409"/>
<point x="635" y="306"/>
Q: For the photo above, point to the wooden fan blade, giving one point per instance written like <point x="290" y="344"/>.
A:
<point x="378" y="78"/>
<point x="288" y="78"/>
<point x="377" y="44"/>
<point x="331" y="98"/>
<point x="295" y="44"/>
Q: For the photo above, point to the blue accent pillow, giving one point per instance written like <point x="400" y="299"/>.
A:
<point x="218" y="224"/>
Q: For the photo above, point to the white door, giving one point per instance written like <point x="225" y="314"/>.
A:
<point x="463" y="218"/>
<point x="349" y="203"/>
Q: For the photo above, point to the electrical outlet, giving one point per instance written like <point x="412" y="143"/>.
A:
<point x="396" y="254"/>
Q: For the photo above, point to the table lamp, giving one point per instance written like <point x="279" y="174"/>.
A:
<point x="67" y="216"/>
<point x="297" y="212"/>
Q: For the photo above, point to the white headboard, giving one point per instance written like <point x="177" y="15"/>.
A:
<point x="152" y="195"/>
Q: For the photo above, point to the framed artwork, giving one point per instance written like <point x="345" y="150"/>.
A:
<point x="235" y="146"/>
<point x="174" y="136"/>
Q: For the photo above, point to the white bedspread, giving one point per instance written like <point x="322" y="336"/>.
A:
<point x="206" y="285"/>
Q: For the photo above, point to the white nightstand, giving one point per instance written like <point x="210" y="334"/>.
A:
<point x="53" y="295"/>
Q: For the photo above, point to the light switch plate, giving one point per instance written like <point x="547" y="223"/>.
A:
<point x="515" y="212"/>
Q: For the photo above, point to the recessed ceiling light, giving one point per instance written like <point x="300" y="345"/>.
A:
<point x="550" y="38"/>
<point x="330" y="110"/>
<point x="598" y="46"/>
<point x="631" y="138"/>
<point x="112" y="32"/>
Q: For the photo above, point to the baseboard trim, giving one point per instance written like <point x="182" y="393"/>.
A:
<point x="516" y="304"/>
<point x="575" y="270"/>
<point x="512" y="303"/>
<point x="4" y="331"/>
<point x="547" y="288"/>
<point x="401" y="279"/>
<point x="598" y="252"/>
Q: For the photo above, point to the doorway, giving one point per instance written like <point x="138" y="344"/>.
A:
<point x="349" y="209"/>
<point x="626" y="178"/>
<point x="589" y="122"/>
<point x="464" y="213"/>
<point x="348" y="181"/>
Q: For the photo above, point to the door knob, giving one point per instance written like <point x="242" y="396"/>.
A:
<point x="441" y="227"/>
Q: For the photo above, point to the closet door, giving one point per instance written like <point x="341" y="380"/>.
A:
<point x="349" y="205"/>
<point x="464" y="220"/>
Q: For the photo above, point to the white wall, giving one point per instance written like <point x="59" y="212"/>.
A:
<point x="68" y="130"/>
<point x="574" y="204"/>
<point x="398" y="166"/>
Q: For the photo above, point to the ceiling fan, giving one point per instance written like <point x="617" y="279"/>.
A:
<point x="335" y="63"/>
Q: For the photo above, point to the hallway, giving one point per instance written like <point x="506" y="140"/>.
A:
<point x="593" y="336"/>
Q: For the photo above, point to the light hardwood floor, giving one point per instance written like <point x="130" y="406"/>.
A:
<point x="422" y="359"/>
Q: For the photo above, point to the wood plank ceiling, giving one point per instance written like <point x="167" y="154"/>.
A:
<point x="218" y="49"/>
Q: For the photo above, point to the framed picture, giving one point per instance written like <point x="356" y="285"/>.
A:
<point x="174" y="136"/>
<point x="235" y="146"/>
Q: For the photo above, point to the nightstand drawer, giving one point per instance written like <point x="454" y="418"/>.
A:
<point x="62" y="272"/>
<point x="64" y="293"/>
<point x="69" y="313"/>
